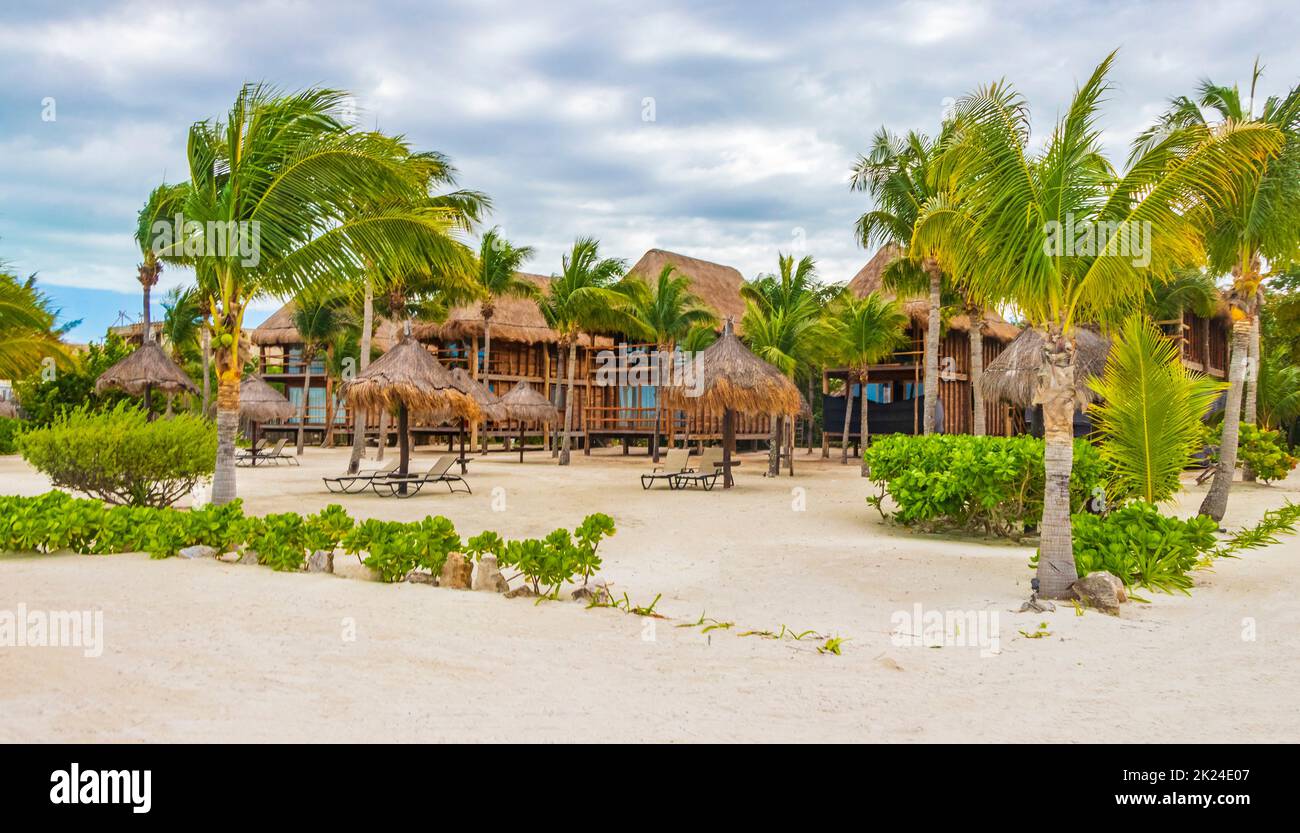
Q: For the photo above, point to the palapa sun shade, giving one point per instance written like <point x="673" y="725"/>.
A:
<point x="525" y="404"/>
<point x="1014" y="376"/>
<point x="488" y="402"/>
<point x="734" y="380"/>
<point x="409" y="378"/>
<point x="259" y="402"/>
<point x="147" y="366"/>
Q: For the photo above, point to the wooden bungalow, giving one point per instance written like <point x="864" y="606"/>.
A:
<point x="896" y="385"/>
<point x="1206" y="342"/>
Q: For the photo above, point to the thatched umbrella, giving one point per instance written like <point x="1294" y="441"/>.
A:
<point x="409" y="378"/>
<point x="1015" y="374"/>
<point x="488" y="402"/>
<point x="259" y="402"/>
<point x="146" y="368"/>
<point x="733" y="381"/>
<point x="525" y="404"/>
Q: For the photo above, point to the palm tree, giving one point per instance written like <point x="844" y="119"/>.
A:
<point x="783" y="326"/>
<point x="182" y="320"/>
<point x="1258" y="222"/>
<point x="866" y="331"/>
<point x="460" y="210"/>
<point x="497" y="277"/>
<point x="667" y="312"/>
<point x="27" y="328"/>
<point x="1011" y="205"/>
<point x="318" y="319"/>
<point x="900" y="174"/>
<point x="283" y="196"/>
<point x="582" y="300"/>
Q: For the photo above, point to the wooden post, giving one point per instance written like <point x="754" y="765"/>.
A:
<point x="462" y="445"/>
<point x="728" y="441"/>
<point x="473" y="374"/>
<point x="404" y="444"/>
<point x="521" y="440"/>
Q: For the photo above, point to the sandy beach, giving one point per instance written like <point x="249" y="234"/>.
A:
<point x="211" y="651"/>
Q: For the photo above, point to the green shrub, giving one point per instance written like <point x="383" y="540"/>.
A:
<point x="1265" y="452"/>
<point x="121" y="457"/>
<point x="993" y="484"/>
<point x="9" y="435"/>
<point x="280" y="541"/>
<point x="1143" y="547"/>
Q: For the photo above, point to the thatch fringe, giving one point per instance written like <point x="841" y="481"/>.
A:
<point x="260" y="402"/>
<point x="1014" y="375"/>
<point x="524" y="403"/>
<point x="147" y="365"/>
<point x="409" y="375"/>
<point x="733" y="378"/>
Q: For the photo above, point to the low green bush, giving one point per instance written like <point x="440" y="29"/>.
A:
<point x="9" y="428"/>
<point x="57" y="521"/>
<point x="989" y="484"/>
<point x="1145" y="548"/>
<point x="121" y="457"/>
<point x="1265" y="452"/>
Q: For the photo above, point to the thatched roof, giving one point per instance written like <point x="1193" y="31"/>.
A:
<point x="409" y="374"/>
<point x="1013" y="376"/>
<point x="148" y="364"/>
<point x="870" y="278"/>
<point x="716" y="285"/>
<point x="735" y="379"/>
<point x="513" y="319"/>
<point x="524" y="403"/>
<point x="279" y="331"/>
<point x="488" y="402"/>
<point x="262" y="403"/>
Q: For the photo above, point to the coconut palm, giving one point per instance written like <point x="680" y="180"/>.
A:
<point x="1012" y="204"/>
<point x="283" y="196"/>
<point x="783" y="326"/>
<point x="666" y="312"/>
<point x="318" y="318"/>
<point x="497" y="277"/>
<point x="582" y="300"/>
<point x="1256" y="225"/>
<point x="27" y="328"/>
<point x="1150" y="413"/>
<point x="866" y="331"/>
<point x="182" y="322"/>
<point x="1279" y="390"/>
<point x="461" y="210"/>
<point x="900" y="175"/>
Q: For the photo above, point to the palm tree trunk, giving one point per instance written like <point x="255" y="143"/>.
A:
<point x="1252" y="385"/>
<point x="328" y="439"/>
<point x="932" y="347"/>
<point x="1056" y="570"/>
<point x="223" y="478"/>
<point x="1216" y="501"/>
<point x="144" y="339"/>
<point x="789" y="444"/>
<point x="848" y="418"/>
<point x="561" y="398"/>
<point x="383" y="434"/>
<point x="774" y="446"/>
<point x="306" y="395"/>
<point x="568" y="401"/>
<point x="978" y="426"/>
<point x="862" y="420"/>
<point x="207" y="369"/>
<point x="360" y="417"/>
<point x="808" y="425"/>
<point x="484" y="370"/>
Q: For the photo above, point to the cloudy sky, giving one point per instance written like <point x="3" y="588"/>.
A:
<point x="720" y="130"/>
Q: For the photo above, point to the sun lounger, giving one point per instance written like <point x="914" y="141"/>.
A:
<point x="279" y="455"/>
<point x="676" y="461"/>
<point x="704" y="476"/>
<point x="395" y="485"/>
<point x="245" y="454"/>
<point x="348" y="483"/>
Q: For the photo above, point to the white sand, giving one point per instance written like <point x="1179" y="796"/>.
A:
<point x="207" y="651"/>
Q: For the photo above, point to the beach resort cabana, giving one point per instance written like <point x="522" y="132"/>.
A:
<point x="736" y="382"/>
<point x="524" y="404"/>
<point x="897" y="384"/>
<point x="409" y="379"/>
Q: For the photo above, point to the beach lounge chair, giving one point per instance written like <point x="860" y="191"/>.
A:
<point x="247" y="454"/>
<point x="279" y="455"/>
<point x="391" y="485"/>
<point x="348" y="483"/>
<point x="265" y="456"/>
<point x="676" y="461"/>
<point x="701" y="475"/>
